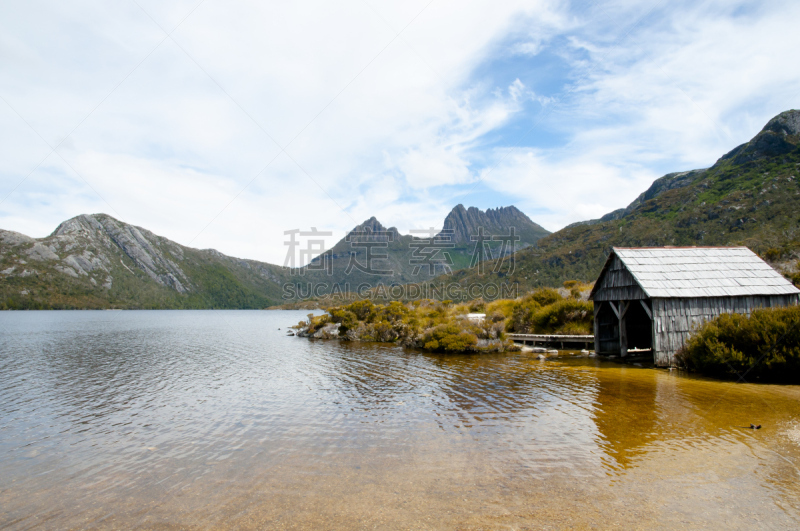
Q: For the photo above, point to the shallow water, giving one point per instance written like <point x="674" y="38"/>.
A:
<point x="216" y="419"/>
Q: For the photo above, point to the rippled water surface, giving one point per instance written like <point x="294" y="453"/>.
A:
<point x="216" y="419"/>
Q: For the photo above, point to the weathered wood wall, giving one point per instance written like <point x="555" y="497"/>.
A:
<point x="674" y="320"/>
<point x="617" y="284"/>
<point x="606" y="329"/>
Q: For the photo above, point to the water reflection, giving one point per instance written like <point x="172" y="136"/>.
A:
<point x="626" y="414"/>
<point x="151" y="419"/>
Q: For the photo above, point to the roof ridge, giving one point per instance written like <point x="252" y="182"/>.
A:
<point x="669" y="247"/>
<point x="698" y="272"/>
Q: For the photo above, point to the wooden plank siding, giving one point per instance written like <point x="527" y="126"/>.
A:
<point x="617" y="284"/>
<point x="678" y="288"/>
<point x="674" y="320"/>
<point x="606" y="329"/>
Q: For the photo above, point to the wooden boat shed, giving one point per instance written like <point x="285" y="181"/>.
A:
<point x="652" y="298"/>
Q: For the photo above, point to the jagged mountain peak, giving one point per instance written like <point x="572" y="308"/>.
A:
<point x="780" y="136"/>
<point x="79" y="224"/>
<point x="465" y="222"/>
<point x="786" y="123"/>
<point x="372" y="225"/>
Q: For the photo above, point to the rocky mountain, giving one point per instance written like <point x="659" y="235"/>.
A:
<point x="402" y="259"/>
<point x="96" y="261"/>
<point x="369" y="255"/>
<point x="463" y="223"/>
<point x="750" y="196"/>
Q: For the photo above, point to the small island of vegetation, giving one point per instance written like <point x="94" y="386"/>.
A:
<point x="445" y="326"/>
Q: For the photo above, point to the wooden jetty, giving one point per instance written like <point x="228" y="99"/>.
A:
<point x="586" y="341"/>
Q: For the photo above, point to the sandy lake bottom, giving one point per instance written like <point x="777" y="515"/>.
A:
<point x="217" y="419"/>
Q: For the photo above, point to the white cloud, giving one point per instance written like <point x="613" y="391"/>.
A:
<point x="527" y="48"/>
<point x="567" y="188"/>
<point x="669" y="97"/>
<point x="372" y="123"/>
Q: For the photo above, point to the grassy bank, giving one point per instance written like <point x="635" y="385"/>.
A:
<point x="762" y="347"/>
<point x="444" y="326"/>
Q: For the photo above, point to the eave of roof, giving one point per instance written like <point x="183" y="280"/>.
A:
<point x="696" y="272"/>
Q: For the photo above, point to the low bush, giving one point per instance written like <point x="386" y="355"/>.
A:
<point x="364" y="310"/>
<point x="444" y="327"/>
<point x="773" y="254"/>
<point x="764" y="346"/>
<point x="449" y="338"/>
<point x="795" y="277"/>
<point x="344" y="317"/>
<point x="567" y="316"/>
<point x="544" y="296"/>
<point x="477" y="306"/>
<point x="503" y="306"/>
<point x="542" y="313"/>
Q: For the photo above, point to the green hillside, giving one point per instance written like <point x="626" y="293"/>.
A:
<point x="99" y="262"/>
<point x="751" y="197"/>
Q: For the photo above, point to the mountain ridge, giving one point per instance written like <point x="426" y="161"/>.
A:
<point x="465" y="222"/>
<point x="750" y="196"/>
<point x="97" y="261"/>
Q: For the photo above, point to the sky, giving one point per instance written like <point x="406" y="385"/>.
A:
<point x="223" y="124"/>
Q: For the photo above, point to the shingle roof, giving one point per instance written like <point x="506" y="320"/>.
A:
<point x="702" y="272"/>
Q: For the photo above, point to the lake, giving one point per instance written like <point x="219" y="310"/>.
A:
<point x="217" y="419"/>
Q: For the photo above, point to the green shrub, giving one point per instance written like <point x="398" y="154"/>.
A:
<point x="773" y="254"/>
<point x="393" y="312"/>
<point x="346" y="318"/>
<point x="384" y="332"/>
<point x="764" y="346"/>
<point x="544" y="296"/>
<point x="477" y="306"/>
<point x="449" y="338"/>
<point x="568" y="316"/>
<point x="545" y="312"/>
<point x="503" y="306"/>
<point x="795" y="277"/>
<point x="364" y="310"/>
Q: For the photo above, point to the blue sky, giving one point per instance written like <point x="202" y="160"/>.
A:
<point x="224" y="124"/>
